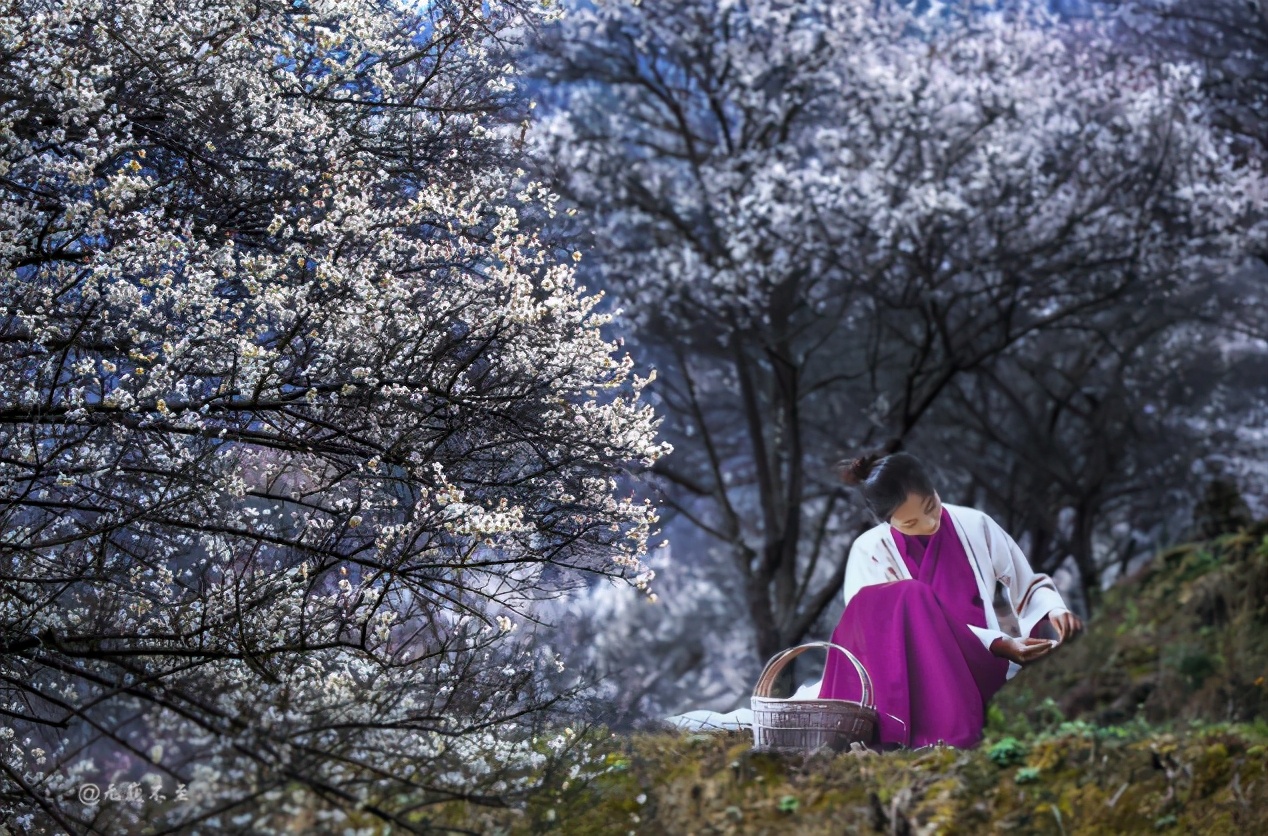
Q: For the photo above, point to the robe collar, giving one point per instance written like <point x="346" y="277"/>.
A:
<point x="898" y="567"/>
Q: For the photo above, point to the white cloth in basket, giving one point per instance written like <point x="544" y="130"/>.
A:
<point x="741" y="719"/>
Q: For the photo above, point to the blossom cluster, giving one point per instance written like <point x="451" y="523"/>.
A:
<point x="293" y="402"/>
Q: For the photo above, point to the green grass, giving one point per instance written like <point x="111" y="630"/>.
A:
<point x="1151" y="721"/>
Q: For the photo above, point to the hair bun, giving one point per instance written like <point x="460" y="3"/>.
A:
<point x="855" y="471"/>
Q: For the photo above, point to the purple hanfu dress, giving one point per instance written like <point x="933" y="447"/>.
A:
<point x="927" y="667"/>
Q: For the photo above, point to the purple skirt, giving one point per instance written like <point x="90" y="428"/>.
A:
<point x="931" y="675"/>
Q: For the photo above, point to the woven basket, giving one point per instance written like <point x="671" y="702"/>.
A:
<point x="804" y="725"/>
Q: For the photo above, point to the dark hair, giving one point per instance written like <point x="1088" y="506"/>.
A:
<point x="886" y="478"/>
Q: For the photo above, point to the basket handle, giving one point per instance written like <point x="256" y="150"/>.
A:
<point x="782" y="658"/>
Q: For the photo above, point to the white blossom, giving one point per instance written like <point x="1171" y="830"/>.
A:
<point x="291" y="385"/>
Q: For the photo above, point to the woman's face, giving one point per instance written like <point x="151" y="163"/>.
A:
<point x="918" y="515"/>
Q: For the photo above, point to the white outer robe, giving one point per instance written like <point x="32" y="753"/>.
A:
<point x="874" y="558"/>
<point x="995" y="556"/>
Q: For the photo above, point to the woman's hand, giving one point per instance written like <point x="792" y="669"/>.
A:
<point x="1022" y="651"/>
<point x="1065" y="623"/>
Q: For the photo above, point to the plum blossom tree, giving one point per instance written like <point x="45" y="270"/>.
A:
<point x="1095" y="427"/>
<point x="1226" y="38"/>
<point x="297" y="419"/>
<point x="823" y="215"/>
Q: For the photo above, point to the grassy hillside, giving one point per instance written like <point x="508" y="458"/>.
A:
<point x="1077" y="780"/>
<point x="1152" y="721"/>
<point x="1186" y="639"/>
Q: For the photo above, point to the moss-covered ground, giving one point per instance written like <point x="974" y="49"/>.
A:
<point x="1075" y="779"/>
<point x="1152" y="721"/>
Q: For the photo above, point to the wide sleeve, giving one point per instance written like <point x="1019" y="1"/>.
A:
<point x="1033" y="595"/>
<point x="863" y="568"/>
<point x="988" y="637"/>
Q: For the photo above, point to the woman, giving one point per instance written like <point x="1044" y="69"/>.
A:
<point x="918" y="593"/>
